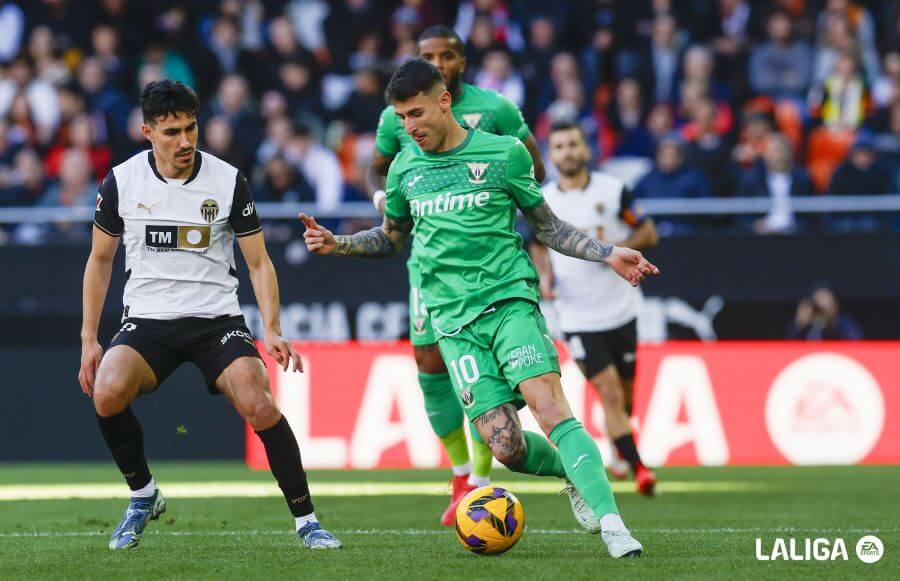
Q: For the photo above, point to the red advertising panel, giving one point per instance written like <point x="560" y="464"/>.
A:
<point x="358" y="405"/>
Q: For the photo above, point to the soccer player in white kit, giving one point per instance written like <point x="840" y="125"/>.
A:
<point x="178" y="211"/>
<point x="597" y="309"/>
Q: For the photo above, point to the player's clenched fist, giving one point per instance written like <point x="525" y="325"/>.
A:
<point x="319" y="240"/>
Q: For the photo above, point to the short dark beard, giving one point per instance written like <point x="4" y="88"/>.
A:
<point x="571" y="174"/>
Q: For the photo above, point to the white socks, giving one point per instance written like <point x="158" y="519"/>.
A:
<point x="462" y="469"/>
<point x="612" y="522"/>
<point x="479" y="481"/>
<point x="146" y="492"/>
<point x="301" y="521"/>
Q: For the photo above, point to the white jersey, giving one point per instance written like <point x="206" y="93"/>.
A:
<point x="590" y="296"/>
<point x="178" y="235"/>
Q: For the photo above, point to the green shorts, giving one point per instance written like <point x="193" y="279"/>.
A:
<point x="420" y="331"/>
<point x="492" y="355"/>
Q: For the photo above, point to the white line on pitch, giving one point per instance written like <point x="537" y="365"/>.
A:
<point x="12" y="492"/>
<point x="664" y="531"/>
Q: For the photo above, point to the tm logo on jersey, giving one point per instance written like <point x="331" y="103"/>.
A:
<point x="162" y="238"/>
<point x="524" y="356"/>
<point x="448" y="203"/>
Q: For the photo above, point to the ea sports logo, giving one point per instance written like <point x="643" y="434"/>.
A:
<point x="825" y="408"/>
<point x="869" y="549"/>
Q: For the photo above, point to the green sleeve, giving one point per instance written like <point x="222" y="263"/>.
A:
<point x="386" y="141"/>
<point x="396" y="205"/>
<point x="510" y="119"/>
<point x="520" y="178"/>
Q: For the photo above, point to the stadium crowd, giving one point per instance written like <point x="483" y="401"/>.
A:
<point x="686" y="99"/>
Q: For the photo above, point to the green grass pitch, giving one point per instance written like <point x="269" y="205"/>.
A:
<point x="704" y="524"/>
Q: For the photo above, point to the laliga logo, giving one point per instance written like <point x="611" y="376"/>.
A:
<point x="825" y="408"/>
<point x="869" y="549"/>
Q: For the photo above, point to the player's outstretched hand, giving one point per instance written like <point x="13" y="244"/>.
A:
<point x="283" y="352"/>
<point x="91" y="354"/>
<point x="319" y="240"/>
<point x="630" y="265"/>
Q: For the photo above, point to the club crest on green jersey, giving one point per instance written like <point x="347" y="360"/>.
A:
<point x="477" y="170"/>
<point x="471" y="119"/>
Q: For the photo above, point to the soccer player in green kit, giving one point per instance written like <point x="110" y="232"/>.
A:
<point x="475" y="108"/>
<point x="458" y="191"/>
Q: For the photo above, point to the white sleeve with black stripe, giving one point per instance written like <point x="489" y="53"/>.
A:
<point x="243" y="218"/>
<point x="106" y="214"/>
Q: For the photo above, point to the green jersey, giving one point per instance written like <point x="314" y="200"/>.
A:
<point x="463" y="206"/>
<point x="476" y="108"/>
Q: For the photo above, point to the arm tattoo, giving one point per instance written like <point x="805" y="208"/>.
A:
<point x="506" y="440"/>
<point x="565" y="238"/>
<point x="379" y="242"/>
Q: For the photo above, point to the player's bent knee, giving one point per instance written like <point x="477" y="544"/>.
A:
<point x="428" y="359"/>
<point x="610" y="392"/>
<point x="109" y="399"/>
<point x="261" y="414"/>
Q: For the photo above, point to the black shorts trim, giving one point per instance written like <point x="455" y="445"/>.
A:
<point x="596" y="350"/>
<point x="210" y="344"/>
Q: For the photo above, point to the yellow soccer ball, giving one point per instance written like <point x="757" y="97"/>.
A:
<point x="489" y="520"/>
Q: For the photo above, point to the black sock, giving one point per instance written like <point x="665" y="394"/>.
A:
<point x="284" y="460"/>
<point x="125" y="439"/>
<point x="625" y="446"/>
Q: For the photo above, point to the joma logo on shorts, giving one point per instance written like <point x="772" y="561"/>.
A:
<point x="236" y="333"/>
<point x="524" y="356"/>
<point x="448" y="203"/>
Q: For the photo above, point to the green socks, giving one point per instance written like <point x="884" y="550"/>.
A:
<point x="445" y="415"/>
<point x="541" y="458"/>
<point x="456" y="446"/>
<point x="584" y="465"/>
<point x="481" y="455"/>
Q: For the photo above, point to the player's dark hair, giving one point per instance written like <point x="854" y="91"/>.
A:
<point x="444" y="32"/>
<point x="160" y="98"/>
<point x="411" y="78"/>
<point x="565" y="125"/>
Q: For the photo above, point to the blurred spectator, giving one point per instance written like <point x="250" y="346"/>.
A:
<point x="364" y="106"/>
<point x="753" y="138"/>
<point x="780" y="68"/>
<point x="105" y="45"/>
<point x="698" y="68"/>
<point x="297" y="85"/>
<point x="657" y="66"/>
<point x="671" y="177"/>
<point x="497" y="73"/>
<point x="862" y="173"/>
<point x="76" y="185"/>
<point x="283" y="183"/>
<point x="778" y="179"/>
<point x="710" y="150"/>
<point x="79" y="136"/>
<point x="232" y="103"/>
<point x="886" y="88"/>
<point x="38" y="106"/>
<point x="819" y="318"/>
<point x="27" y="182"/>
<point x="348" y="21"/>
<point x="165" y="64"/>
<point x="536" y="63"/>
<point x="478" y="45"/>
<point x="317" y="165"/>
<point x="887" y="144"/>
<point x="505" y="31"/>
<point x="223" y="55"/>
<point x="859" y="27"/>
<point x="102" y="100"/>
<point x="12" y="30"/>
<point x="47" y="64"/>
<point x="843" y="100"/>
<point x="218" y="139"/>
<point x="628" y="120"/>
<point x="836" y="40"/>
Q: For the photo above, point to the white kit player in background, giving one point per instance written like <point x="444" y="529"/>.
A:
<point x="597" y="309"/>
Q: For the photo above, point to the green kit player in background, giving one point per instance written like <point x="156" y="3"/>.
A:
<point x="475" y="108"/>
<point x="458" y="192"/>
